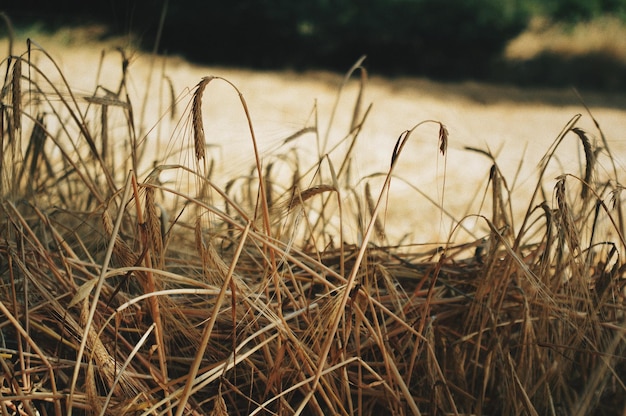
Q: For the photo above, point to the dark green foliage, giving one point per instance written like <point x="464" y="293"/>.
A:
<point x="451" y="39"/>
<point x="581" y="10"/>
<point x="444" y="39"/>
<point x="419" y="36"/>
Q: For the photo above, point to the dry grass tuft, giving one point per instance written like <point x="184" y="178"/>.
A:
<point x="122" y="292"/>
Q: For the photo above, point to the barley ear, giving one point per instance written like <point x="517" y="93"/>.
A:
<point x="568" y="226"/>
<point x="153" y="227"/>
<point x="93" y="399"/>
<point x="214" y="268"/>
<point x="443" y="139"/>
<point x="16" y="94"/>
<point x="220" y="408"/>
<point x="121" y="250"/>
<point x="199" y="139"/>
<point x="299" y="198"/>
<point x="590" y="159"/>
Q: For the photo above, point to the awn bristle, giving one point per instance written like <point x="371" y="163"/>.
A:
<point x="199" y="139"/>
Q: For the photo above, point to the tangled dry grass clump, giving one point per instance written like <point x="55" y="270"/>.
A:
<point x="132" y="287"/>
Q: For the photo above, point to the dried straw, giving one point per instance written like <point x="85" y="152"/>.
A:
<point x="240" y="321"/>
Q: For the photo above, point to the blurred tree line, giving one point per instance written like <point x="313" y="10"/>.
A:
<point x="444" y="39"/>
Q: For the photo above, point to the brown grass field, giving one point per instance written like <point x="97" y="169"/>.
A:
<point x="186" y="240"/>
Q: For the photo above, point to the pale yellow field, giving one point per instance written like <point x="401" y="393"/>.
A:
<point x="517" y="125"/>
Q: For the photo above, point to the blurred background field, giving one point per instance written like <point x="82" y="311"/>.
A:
<point x="499" y="74"/>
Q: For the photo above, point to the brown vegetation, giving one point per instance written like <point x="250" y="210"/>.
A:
<point x="126" y="291"/>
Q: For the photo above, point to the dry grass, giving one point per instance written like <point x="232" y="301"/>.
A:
<point x="158" y="292"/>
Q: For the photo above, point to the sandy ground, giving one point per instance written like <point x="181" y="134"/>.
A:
<point x="517" y="125"/>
